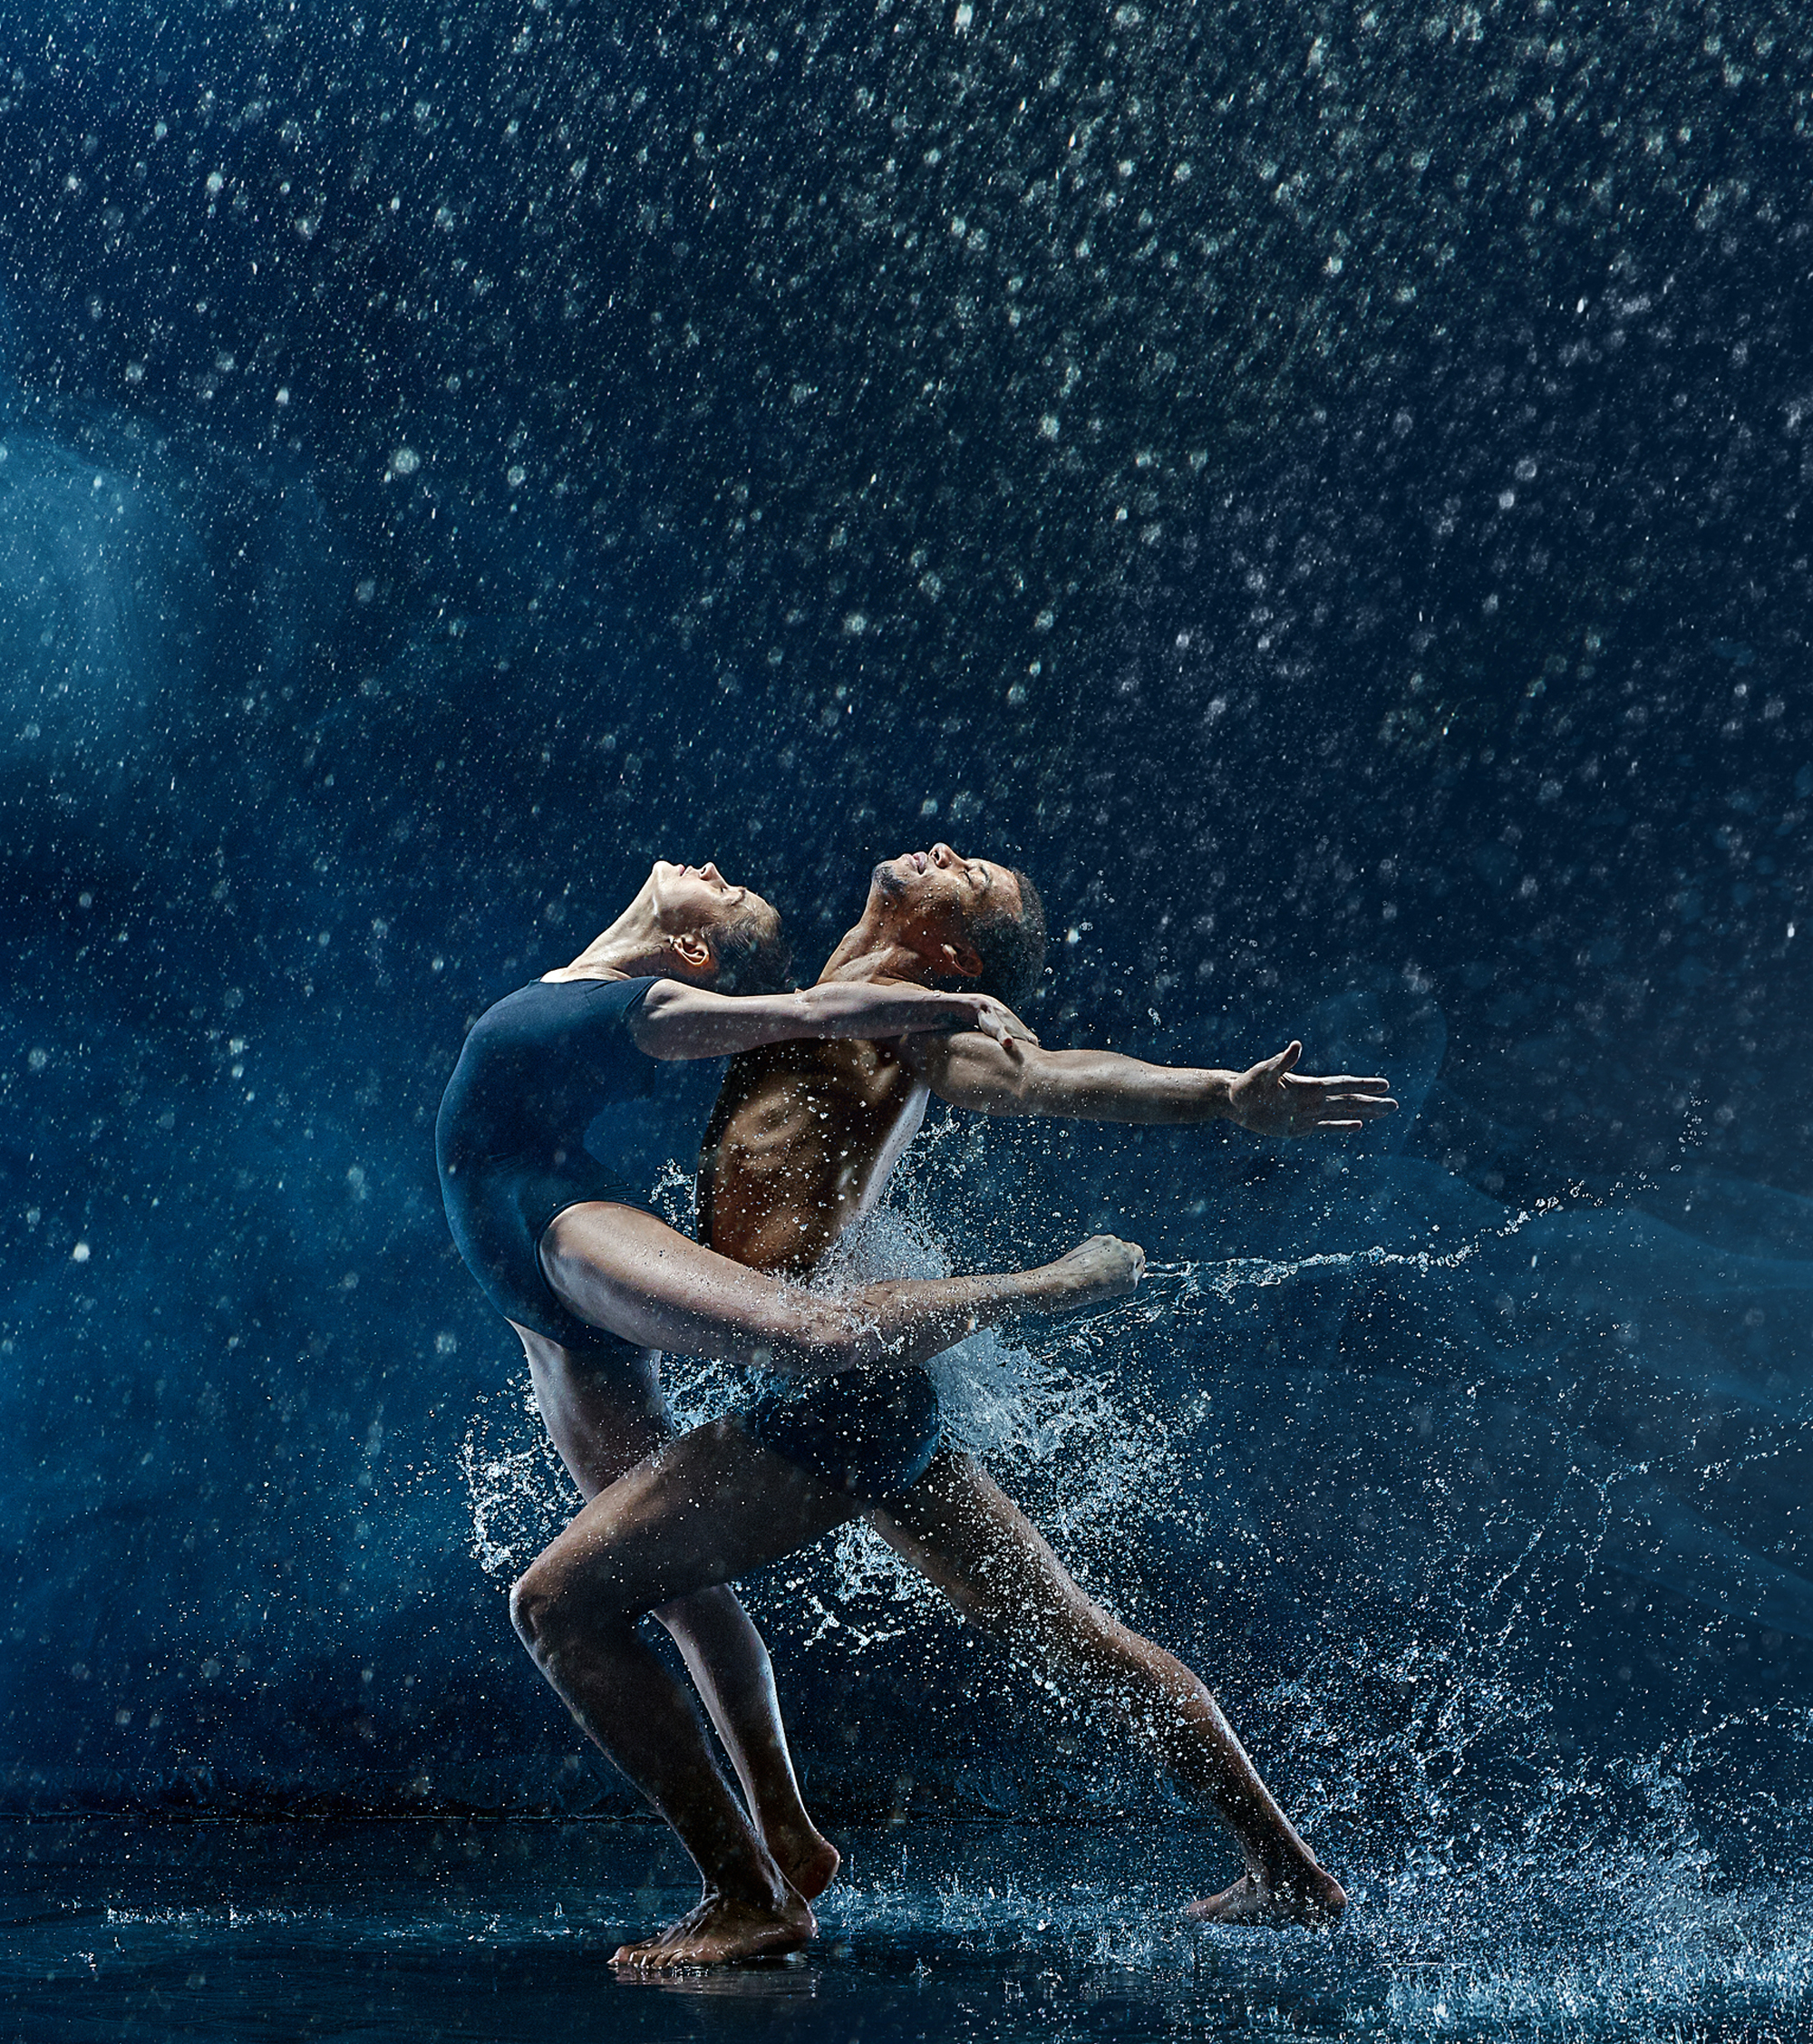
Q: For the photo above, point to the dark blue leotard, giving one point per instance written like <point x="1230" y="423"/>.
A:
<point x="535" y="1071"/>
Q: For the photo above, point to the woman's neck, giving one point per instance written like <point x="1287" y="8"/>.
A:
<point x="633" y="947"/>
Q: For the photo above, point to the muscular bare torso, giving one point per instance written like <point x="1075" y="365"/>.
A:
<point x="802" y="1140"/>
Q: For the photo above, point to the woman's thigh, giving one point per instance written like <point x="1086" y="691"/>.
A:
<point x="602" y="1408"/>
<point x="622" y="1269"/>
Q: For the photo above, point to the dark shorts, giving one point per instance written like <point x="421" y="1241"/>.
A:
<point x="871" y="1432"/>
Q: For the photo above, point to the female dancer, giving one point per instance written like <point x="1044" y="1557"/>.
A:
<point x="596" y="1285"/>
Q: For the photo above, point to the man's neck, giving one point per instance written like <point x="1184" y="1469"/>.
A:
<point x="868" y="952"/>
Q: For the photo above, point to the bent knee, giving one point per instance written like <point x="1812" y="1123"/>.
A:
<point x="562" y="1599"/>
<point x="544" y="1606"/>
<point x="530" y="1599"/>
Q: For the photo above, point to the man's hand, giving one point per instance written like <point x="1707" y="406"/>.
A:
<point x="1274" y="1099"/>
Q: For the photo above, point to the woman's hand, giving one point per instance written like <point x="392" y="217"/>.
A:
<point x="995" y="1019"/>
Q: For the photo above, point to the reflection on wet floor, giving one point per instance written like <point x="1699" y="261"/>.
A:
<point x="468" y="1930"/>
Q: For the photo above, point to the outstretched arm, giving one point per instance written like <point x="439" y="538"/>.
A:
<point x="1271" y="1099"/>
<point x="676" y="1021"/>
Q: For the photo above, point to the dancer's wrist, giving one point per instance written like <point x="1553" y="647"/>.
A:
<point x="1214" y="1089"/>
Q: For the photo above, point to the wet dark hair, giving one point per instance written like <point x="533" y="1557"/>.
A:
<point x="750" y="960"/>
<point x="1012" y="947"/>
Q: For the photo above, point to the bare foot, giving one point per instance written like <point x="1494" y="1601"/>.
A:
<point x="719" y="1931"/>
<point x="1103" y="1267"/>
<point x="808" y="1860"/>
<point x="1312" y="1897"/>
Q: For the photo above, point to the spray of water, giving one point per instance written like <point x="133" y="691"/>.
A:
<point x="517" y="1492"/>
<point x="1047" y="1409"/>
<point x="1166" y="1286"/>
<point x="1504" y="1883"/>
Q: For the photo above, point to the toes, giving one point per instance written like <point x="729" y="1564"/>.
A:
<point x="1217" y="1909"/>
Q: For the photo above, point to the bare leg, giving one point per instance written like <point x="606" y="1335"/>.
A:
<point x="730" y="1670"/>
<point x="621" y="1269"/>
<point x="709" y="1508"/>
<point x="966" y="1536"/>
<point x="604" y="1422"/>
<point x="678" y="1525"/>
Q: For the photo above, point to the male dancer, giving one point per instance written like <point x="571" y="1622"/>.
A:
<point x="596" y="1285"/>
<point x="801" y="1144"/>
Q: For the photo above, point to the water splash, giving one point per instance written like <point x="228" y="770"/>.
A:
<point x="1168" y="1286"/>
<point x="1049" y="1420"/>
<point x="519" y="1494"/>
<point x="1505" y="1882"/>
<point x="1015" y="1932"/>
<point x="1044" y="1409"/>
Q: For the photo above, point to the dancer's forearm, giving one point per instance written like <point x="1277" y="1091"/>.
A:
<point x="676" y="1022"/>
<point x="1075" y="1085"/>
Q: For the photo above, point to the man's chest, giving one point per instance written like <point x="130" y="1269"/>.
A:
<point x="833" y="1110"/>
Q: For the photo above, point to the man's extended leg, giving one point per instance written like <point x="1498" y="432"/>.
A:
<point x="709" y="1508"/>
<point x="684" y="1522"/>
<point x="604" y="1421"/>
<point x="962" y="1532"/>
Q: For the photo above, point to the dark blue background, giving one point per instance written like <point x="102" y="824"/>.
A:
<point x="1319" y="486"/>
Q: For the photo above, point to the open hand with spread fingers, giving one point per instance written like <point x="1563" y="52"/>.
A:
<point x="1275" y="1099"/>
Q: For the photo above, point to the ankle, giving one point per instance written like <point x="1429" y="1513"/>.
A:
<point x="753" y="1878"/>
<point x="1283" y="1869"/>
<point x="790" y="1834"/>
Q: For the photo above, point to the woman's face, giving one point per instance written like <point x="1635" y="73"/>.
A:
<point x="699" y="897"/>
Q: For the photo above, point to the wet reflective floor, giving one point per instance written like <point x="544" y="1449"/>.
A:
<point x="504" y="1931"/>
